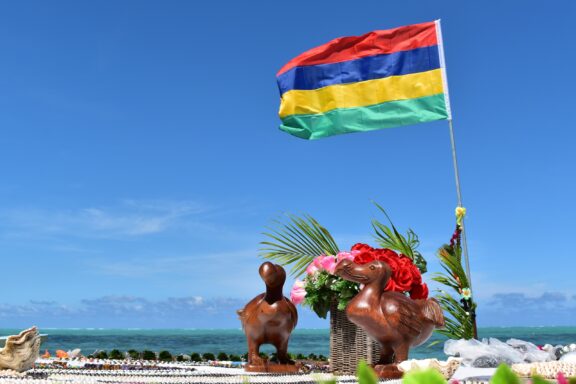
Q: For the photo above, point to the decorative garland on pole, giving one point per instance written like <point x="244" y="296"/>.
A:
<point x="462" y="308"/>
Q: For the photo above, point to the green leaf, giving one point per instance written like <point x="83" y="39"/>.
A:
<point x="504" y="375"/>
<point x="319" y="379"/>
<point x="390" y="237"/>
<point x="539" y="380"/>
<point x="296" y="242"/>
<point x="366" y="374"/>
<point x="435" y="342"/>
<point x="429" y="376"/>
<point x="459" y="322"/>
<point x="330" y="381"/>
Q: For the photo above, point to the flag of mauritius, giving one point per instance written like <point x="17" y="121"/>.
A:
<point x="382" y="79"/>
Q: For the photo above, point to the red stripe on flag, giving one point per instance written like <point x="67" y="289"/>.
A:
<point x="372" y="43"/>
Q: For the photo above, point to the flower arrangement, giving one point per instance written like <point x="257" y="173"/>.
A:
<point x="312" y="251"/>
<point x="321" y="286"/>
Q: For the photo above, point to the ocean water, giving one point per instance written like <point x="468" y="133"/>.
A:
<point x="306" y="341"/>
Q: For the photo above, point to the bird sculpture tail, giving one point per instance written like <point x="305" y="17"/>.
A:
<point x="242" y="316"/>
<point x="433" y="312"/>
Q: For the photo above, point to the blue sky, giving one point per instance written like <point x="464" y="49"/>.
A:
<point x="140" y="158"/>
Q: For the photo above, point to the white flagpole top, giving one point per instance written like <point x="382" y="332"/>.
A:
<point x="443" y="68"/>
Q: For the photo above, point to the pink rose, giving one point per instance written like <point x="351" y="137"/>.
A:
<point x="311" y="269"/>
<point x="298" y="292"/>
<point x="316" y="265"/>
<point x="329" y="264"/>
<point x="318" y="261"/>
<point x="346" y="255"/>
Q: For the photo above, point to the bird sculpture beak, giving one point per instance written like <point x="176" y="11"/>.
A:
<point x="348" y="270"/>
<point x="341" y="268"/>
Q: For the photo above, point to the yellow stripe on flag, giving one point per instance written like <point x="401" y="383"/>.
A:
<point x="370" y="92"/>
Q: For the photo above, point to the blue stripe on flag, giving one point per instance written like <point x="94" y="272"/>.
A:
<point x="366" y="68"/>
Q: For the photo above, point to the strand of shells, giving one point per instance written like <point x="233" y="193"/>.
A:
<point x="547" y="369"/>
<point x="79" y="378"/>
<point x="10" y="373"/>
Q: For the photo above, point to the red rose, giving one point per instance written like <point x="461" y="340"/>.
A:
<point x="361" y="247"/>
<point x="416" y="275"/>
<point x="364" y="257"/>
<point x="389" y="257"/>
<point x="419" y="292"/>
<point x="385" y="252"/>
<point x="391" y="286"/>
<point x="403" y="276"/>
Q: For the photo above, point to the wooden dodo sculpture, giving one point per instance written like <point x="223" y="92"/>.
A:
<point x="269" y="318"/>
<point x="393" y="319"/>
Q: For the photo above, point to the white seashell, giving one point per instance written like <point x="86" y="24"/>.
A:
<point x="20" y="351"/>
<point x="446" y="368"/>
<point x="548" y="370"/>
<point x="570" y="357"/>
<point x="74" y="353"/>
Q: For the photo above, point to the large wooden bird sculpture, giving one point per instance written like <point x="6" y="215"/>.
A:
<point x="393" y="319"/>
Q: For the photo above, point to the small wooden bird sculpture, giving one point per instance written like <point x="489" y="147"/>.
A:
<point x="269" y="318"/>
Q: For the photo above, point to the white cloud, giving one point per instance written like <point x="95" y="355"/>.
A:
<point x="127" y="311"/>
<point x="504" y="309"/>
<point x="194" y="265"/>
<point x="129" y="219"/>
<point x="519" y="309"/>
<point x="486" y="287"/>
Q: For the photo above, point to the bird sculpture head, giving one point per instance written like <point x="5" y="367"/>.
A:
<point x="374" y="271"/>
<point x="273" y="274"/>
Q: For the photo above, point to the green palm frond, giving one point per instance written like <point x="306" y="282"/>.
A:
<point x="460" y="322"/>
<point x="459" y="325"/>
<point x="389" y="237"/>
<point x="297" y="241"/>
<point x="452" y="264"/>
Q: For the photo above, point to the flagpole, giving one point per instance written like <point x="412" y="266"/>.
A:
<point x="456" y="173"/>
<point x="452" y="141"/>
<point x="459" y="195"/>
<point x="463" y="232"/>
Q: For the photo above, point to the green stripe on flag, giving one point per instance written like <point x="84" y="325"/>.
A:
<point x="362" y="119"/>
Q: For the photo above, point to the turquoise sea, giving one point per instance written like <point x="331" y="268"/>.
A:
<point x="304" y="341"/>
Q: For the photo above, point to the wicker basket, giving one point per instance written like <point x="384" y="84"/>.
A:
<point x="349" y="344"/>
